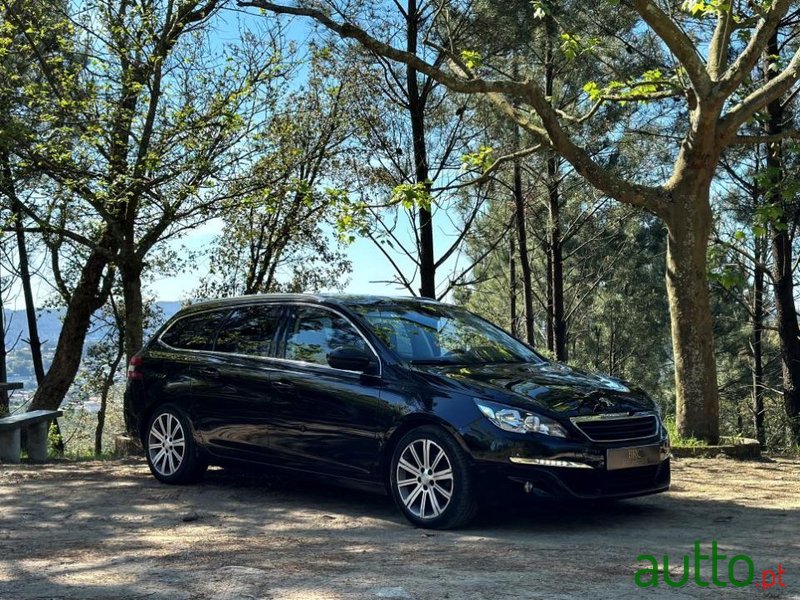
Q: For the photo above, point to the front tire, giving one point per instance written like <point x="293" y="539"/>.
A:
<point x="431" y="481"/>
<point x="171" y="451"/>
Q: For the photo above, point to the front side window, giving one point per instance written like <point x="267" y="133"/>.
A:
<point x="315" y="332"/>
<point x="195" y="332"/>
<point x="249" y="330"/>
<point x="441" y="334"/>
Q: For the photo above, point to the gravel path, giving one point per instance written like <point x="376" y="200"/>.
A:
<point x="95" y="530"/>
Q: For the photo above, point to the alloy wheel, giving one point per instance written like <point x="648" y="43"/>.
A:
<point x="166" y="444"/>
<point x="424" y="479"/>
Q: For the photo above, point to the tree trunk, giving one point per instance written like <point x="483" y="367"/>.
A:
<point x="4" y="407"/>
<point x="108" y="382"/>
<point x="788" y="331"/>
<point x="557" y="326"/>
<point x="782" y="260"/>
<point x="9" y="189"/>
<point x="689" y="221"/>
<point x="556" y="263"/>
<point x="86" y="298"/>
<point x="416" y="108"/>
<point x="512" y="276"/>
<point x="131" y="276"/>
<point x="27" y="291"/>
<point x="758" y="352"/>
<point x="548" y="295"/>
<point x="522" y="242"/>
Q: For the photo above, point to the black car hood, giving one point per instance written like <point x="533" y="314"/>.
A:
<point x="555" y="387"/>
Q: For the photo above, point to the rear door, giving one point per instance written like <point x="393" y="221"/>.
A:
<point x="234" y="403"/>
<point x="324" y="419"/>
<point x="183" y="355"/>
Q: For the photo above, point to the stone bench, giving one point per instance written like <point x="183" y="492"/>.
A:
<point x="36" y="423"/>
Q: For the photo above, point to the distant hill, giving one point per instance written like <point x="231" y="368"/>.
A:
<point x="19" y="363"/>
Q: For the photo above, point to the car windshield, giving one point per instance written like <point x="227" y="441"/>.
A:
<point x="440" y="334"/>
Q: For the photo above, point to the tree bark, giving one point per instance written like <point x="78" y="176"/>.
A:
<point x="689" y="220"/>
<point x="782" y="259"/>
<point x="522" y="243"/>
<point x="758" y="351"/>
<point x="108" y="382"/>
<point x="27" y="291"/>
<point x="416" y="108"/>
<point x="89" y="295"/>
<point x="131" y="275"/>
<point x="512" y="294"/>
<point x="4" y="407"/>
<point x="556" y="323"/>
<point x="555" y="246"/>
<point x="788" y="331"/>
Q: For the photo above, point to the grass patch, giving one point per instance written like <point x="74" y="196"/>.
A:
<point x="678" y="440"/>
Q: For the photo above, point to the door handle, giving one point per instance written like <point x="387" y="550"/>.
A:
<point x="210" y="372"/>
<point x="284" y="386"/>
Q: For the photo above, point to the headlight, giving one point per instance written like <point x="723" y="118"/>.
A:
<point x="518" y="421"/>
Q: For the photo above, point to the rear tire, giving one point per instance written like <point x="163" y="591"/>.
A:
<point x="172" y="454"/>
<point x="430" y="480"/>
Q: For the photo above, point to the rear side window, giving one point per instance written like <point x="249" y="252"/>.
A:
<point x="315" y="332"/>
<point x="195" y="332"/>
<point x="249" y="330"/>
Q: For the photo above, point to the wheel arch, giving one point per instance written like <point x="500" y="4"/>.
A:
<point x="408" y="423"/>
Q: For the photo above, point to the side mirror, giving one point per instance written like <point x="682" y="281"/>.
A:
<point x="348" y="358"/>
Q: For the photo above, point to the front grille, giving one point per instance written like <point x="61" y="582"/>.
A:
<point x="617" y="429"/>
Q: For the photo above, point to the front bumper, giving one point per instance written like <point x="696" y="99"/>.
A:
<point x="559" y="468"/>
<point x="577" y="484"/>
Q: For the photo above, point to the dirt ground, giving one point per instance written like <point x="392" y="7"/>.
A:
<point x="109" y="530"/>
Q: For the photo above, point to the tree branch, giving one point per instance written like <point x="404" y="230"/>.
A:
<point x="743" y="65"/>
<point x="678" y="43"/>
<point x="772" y="90"/>
<point x="767" y="139"/>
<point x="487" y="174"/>
<point x="349" y="31"/>
<point x="718" y="49"/>
<point x="551" y="134"/>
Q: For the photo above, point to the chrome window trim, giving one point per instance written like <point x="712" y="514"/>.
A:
<point x="278" y="304"/>
<point x="350" y="322"/>
<point x="615" y="417"/>
<point x="182" y="318"/>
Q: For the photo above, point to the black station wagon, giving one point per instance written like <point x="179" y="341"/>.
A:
<point x="420" y="399"/>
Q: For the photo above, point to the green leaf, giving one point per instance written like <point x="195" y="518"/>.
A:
<point x="481" y="158"/>
<point x="593" y="90"/>
<point x="471" y="58"/>
<point x="570" y="45"/>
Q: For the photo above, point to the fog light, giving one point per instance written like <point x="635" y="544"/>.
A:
<point x="665" y="451"/>
<point x="528" y="487"/>
<point x="549" y="462"/>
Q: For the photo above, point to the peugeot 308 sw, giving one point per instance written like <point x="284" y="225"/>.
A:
<point x="424" y="400"/>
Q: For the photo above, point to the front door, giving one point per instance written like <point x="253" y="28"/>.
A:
<point x="324" y="419"/>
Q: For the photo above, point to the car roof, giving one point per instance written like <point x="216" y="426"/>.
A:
<point x="347" y="300"/>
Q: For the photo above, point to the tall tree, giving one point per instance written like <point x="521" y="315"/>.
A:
<point x="781" y="231"/>
<point x="278" y="233"/>
<point x="24" y="47"/>
<point x="157" y="115"/>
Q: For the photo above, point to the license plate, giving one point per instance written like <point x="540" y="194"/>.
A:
<point x="627" y="458"/>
